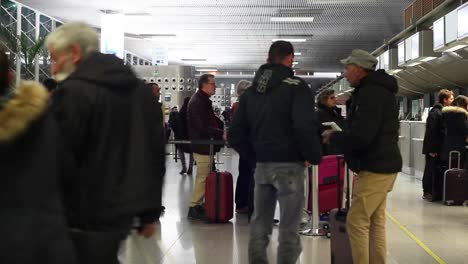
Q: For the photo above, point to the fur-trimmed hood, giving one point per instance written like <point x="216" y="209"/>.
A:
<point x="16" y="114"/>
<point x="454" y="109"/>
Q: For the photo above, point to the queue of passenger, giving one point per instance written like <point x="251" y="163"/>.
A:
<point x="446" y="131"/>
<point x="80" y="170"/>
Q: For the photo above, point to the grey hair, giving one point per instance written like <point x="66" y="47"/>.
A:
<point x="242" y="85"/>
<point x="71" y="33"/>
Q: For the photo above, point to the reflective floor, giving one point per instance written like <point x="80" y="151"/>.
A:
<point x="441" y="229"/>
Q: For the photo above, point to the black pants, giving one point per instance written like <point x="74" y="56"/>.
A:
<point x="100" y="246"/>
<point x="246" y="172"/>
<point x="432" y="178"/>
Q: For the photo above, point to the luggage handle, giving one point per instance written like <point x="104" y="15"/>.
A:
<point x="348" y="198"/>
<point x="450" y="158"/>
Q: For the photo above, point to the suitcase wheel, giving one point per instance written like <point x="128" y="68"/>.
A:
<point x="449" y="202"/>
<point x="328" y="235"/>
<point x="326" y="226"/>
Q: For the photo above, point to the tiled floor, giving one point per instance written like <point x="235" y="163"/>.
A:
<point x="443" y="229"/>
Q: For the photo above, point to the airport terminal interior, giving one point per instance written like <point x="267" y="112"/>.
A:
<point x="422" y="43"/>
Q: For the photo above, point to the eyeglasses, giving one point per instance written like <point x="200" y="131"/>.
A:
<point x="332" y="97"/>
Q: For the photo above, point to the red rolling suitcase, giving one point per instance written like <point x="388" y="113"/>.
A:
<point x="455" y="189"/>
<point x="339" y="244"/>
<point x="219" y="203"/>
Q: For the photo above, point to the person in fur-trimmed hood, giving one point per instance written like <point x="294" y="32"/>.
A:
<point x="455" y="118"/>
<point x="33" y="228"/>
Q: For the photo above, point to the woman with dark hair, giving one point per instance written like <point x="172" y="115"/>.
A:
<point x="179" y="126"/>
<point x="328" y="112"/>
<point x="455" y="119"/>
<point x="33" y="226"/>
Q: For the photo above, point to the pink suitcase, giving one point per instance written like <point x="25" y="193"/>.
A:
<point x="328" y="183"/>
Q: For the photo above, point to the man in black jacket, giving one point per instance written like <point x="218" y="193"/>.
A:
<point x="202" y="125"/>
<point x="114" y="145"/>
<point x="432" y="148"/>
<point x="370" y="145"/>
<point x="275" y="120"/>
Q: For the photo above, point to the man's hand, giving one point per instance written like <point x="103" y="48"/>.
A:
<point x="433" y="155"/>
<point x="326" y="135"/>
<point x="307" y="164"/>
<point x="148" y="230"/>
<point x="225" y="136"/>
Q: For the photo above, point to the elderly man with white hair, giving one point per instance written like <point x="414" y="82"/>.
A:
<point x="114" y="160"/>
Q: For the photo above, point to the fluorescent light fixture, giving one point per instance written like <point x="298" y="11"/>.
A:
<point x="394" y="71"/>
<point x="207" y="70"/>
<point x="290" y="40"/>
<point x="292" y="19"/>
<point x="326" y="74"/>
<point x="428" y="59"/>
<point x="193" y="60"/>
<point x="295" y="63"/>
<point x="457" y="47"/>
<point x="297" y="54"/>
<point x="7" y="53"/>
<point x="157" y="35"/>
<point x="137" y="14"/>
<point x="414" y="64"/>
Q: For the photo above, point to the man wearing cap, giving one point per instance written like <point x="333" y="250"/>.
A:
<point x="370" y="144"/>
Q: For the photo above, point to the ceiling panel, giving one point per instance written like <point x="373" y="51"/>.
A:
<point x="236" y="34"/>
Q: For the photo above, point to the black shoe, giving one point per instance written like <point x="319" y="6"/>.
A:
<point x="163" y="208"/>
<point x="189" y="171"/>
<point x="197" y="212"/>
<point x="427" y="197"/>
<point x="183" y="171"/>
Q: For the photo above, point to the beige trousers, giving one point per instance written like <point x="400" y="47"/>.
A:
<point x="366" y="218"/>
<point x="203" y="169"/>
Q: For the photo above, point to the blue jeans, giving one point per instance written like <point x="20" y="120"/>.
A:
<point x="282" y="182"/>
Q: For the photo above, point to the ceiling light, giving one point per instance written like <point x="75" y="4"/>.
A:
<point x="428" y="59"/>
<point x="193" y="59"/>
<point x="326" y="74"/>
<point x="137" y="14"/>
<point x="290" y="40"/>
<point x="457" y="47"/>
<point x="7" y="53"/>
<point x="297" y="54"/>
<point x="157" y="35"/>
<point x="295" y="63"/>
<point x="292" y="19"/>
<point x="207" y="70"/>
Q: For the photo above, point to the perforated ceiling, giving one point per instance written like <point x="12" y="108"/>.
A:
<point x="236" y="34"/>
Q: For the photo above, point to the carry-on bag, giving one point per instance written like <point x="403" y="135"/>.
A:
<point x="455" y="183"/>
<point x="219" y="203"/>
<point x="339" y="244"/>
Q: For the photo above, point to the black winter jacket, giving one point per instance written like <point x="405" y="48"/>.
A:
<point x="33" y="226"/>
<point x="115" y="143"/>
<point x="327" y="114"/>
<point x="202" y="122"/>
<point x="276" y="119"/>
<point x="434" y="135"/>
<point x="370" y="141"/>
<point x="455" y="121"/>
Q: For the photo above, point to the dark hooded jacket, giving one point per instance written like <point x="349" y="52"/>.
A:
<point x="455" y="121"/>
<point x="370" y="142"/>
<point x="276" y="119"/>
<point x="114" y="160"/>
<point x="33" y="226"/>
<point x="434" y="135"/>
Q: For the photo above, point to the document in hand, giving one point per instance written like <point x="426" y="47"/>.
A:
<point x="333" y="125"/>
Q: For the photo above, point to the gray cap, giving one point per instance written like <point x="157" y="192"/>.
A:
<point x="362" y="59"/>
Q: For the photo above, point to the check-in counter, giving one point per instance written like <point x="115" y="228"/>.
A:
<point x="411" y="144"/>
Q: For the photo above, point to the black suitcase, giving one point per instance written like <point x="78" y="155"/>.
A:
<point x="339" y="244"/>
<point x="455" y="183"/>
